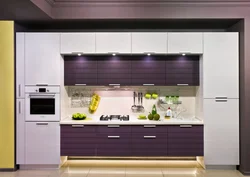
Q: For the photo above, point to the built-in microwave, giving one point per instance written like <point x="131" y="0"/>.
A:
<point x="42" y="104"/>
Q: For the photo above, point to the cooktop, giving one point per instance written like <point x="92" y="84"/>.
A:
<point x="114" y="117"/>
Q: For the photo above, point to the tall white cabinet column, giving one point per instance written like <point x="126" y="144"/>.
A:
<point x="221" y="98"/>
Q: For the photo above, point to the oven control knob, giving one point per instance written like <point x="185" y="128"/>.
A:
<point x="36" y="90"/>
<point x="47" y="90"/>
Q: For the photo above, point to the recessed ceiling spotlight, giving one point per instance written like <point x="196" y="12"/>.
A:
<point x="114" y="54"/>
<point x="149" y="54"/>
<point x="79" y="54"/>
<point x="183" y="54"/>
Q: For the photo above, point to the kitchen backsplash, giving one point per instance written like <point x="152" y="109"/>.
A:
<point x="120" y="100"/>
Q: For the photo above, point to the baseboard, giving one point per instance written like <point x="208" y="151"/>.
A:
<point x="245" y="173"/>
<point x="221" y="167"/>
<point x="8" y="169"/>
<point x="38" y="167"/>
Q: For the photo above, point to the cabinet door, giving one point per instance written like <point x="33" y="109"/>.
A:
<point x="149" y="42"/>
<point x="221" y="65"/>
<point x="42" y="143"/>
<point x="182" y="70"/>
<point x="77" y="43"/>
<point x="185" y="140"/>
<point x="148" y="71"/>
<point x="20" y="132"/>
<point x="80" y="71"/>
<point x="78" y="140"/>
<point x="221" y="132"/>
<point x="20" y="65"/>
<point x="42" y="58"/>
<point x="185" y="43"/>
<point x="113" y="42"/>
<point x="114" y="72"/>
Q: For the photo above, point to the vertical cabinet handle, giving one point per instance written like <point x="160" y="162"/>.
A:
<point x="19" y="107"/>
<point x="19" y="90"/>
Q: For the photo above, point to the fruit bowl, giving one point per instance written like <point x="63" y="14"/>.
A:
<point x="78" y="116"/>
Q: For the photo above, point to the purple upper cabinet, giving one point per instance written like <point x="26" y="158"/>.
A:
<point x="113" y="70"/>
<point x="148" y="70"/>
<point x="80" y="70"/>
<point x="182" y="70"/>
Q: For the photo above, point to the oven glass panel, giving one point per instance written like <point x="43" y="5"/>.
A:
<point x="42" y="106"/>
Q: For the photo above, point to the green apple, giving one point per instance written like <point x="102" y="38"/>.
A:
<point x="147" y="96"/>
<point x="154" y="96"/>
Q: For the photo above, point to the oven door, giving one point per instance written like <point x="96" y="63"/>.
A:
<point x="42" y="107"/>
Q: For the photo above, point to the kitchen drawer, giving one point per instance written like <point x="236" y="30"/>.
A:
<point x="148" y="152"/>
<point x="78" y="128"/>
<point x="149" y="129"/>
<point x="114" y="152"/>
<point x="113" y="138"/>
<point x="151" y="139"/>
<point x="114" y="129"/>
<point x="78" y="152"/>
<point x="185" y="129"/>
<point x="73" y="140"/>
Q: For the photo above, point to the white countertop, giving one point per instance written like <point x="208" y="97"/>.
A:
<point x="132" y="121"/>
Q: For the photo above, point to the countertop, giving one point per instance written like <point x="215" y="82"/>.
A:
<point x="95" y="120"/>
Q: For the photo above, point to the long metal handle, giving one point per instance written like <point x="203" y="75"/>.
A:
<point x="19" y="90"/>
<point x="185" y="126"/>
<point x="148" y="84"/>
<point x="113" y="126"/>
<point x="42" y="96"/>
<point x="220" y="100"/>
<point x="81" y="84"/>
<point x="75" y="126"/>
<point x="19" y="107"/>
<point x="149" y="126"/>
<point x="42" y="84"/>
<point x="149" y="137"/>
<point x="221" y="97"/>
<point x="114" y="84"/>
<point x="115" y="137"/>
<point x="42" y="123"/>
<point x="182" y="84"/>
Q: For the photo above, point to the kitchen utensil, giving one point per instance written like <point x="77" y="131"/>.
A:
<point x="139" y="99"/>
<point x="134" y="107"/>
<point x="142" y="101"/>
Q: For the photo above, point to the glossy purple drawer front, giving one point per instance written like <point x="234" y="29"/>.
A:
<point x="149" y="129"/>
<point x="73" y="140"/>
<point x="78" y="129"/>
<point x="113" y="152"/>
<point x="149" y="152"/>
<point x="78" y="152"/>
<point x="114" y="129"/>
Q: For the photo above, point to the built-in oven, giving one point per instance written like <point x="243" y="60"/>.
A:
<point x="42" y="104"/>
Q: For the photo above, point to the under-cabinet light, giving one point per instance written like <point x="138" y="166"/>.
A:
<point x="79" y="54"/>
<point x="183" y="54"/>
<point x="114" y="54"/>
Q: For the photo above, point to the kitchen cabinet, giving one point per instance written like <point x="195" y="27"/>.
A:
<point x="42" y="143"/>
<point x="20" y="132"/>
<point x="221" y="65"/>
<point x="42" y="59"/>
<point x="80" y="71"/>
<point x="149" y="43"/>
<point x="182" y="70"/>
<point x="221" y="133"/>
<point x="78" y="140"/>
<point x="119" y="42"/>
<point x="187" y="42"/>
<point x="148" y="71"/>
<point x="114" y="72"/>
<point x="20" y="65"/>
<point x="77" y="43"/>
<point x="185" y="140"/>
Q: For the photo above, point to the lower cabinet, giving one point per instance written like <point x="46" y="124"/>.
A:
<point x="42" y="143"/>
<point x="134" y="140"/>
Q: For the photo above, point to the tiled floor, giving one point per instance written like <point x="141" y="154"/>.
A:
<point x="126" y="168"/>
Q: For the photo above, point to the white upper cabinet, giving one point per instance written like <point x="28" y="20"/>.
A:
<point x="20" y="65"/>
<point x="42" y="143"/>
<point x="185" y="43"/>
<point x="221" y="132"/>
<point x="42" y="59"/>
<point x="77" y="43"/>
<point x="113" y="42"/>
<point x="221" y="65"/>
<point x="149" y="43"/>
